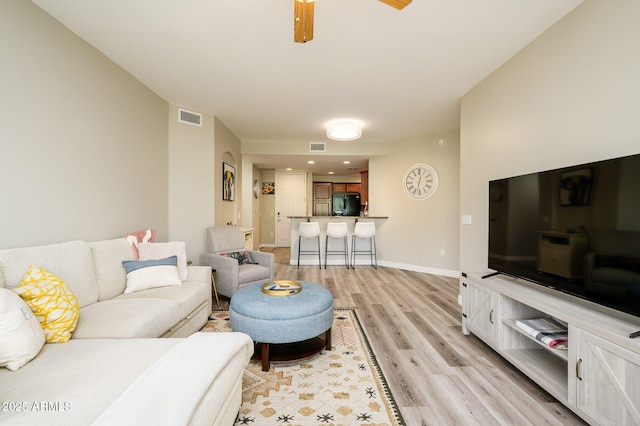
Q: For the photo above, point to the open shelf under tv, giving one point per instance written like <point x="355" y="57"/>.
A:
<point x="597" y="377"/>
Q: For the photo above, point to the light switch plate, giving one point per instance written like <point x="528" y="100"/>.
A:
<point x="466" y="219"/>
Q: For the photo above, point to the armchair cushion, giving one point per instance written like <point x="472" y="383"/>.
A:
<point x="252" y="273"/>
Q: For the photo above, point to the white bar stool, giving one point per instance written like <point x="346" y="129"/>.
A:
<point x="337" y="230"/>
<point x="309" y="230"/>
<point x="364" y="230"/>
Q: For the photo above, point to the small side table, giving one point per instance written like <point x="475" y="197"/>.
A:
<point x="213" y="283"/>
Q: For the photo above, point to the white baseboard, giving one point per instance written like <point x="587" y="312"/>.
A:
<point x="423" y="269"/>
<point x="394" y="265"/>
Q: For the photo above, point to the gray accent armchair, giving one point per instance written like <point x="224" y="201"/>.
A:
<point x="230" y="276"/>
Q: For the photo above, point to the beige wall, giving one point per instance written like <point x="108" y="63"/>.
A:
<point x="83" y="145"/>
<point x="255" y="214"/>
<point x="191" y="182"/>
<point x="227" y="149"/>
<point x="267" y="212"/>
<point x="417" y="231"/>
<point x="571" y="96"/>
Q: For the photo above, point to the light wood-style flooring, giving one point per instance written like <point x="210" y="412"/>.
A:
<point x="437" y="375"/>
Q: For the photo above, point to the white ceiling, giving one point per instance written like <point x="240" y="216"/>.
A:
<point x="400" y="72"/>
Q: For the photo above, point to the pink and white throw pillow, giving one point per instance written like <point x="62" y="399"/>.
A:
<point x="135" y="238"/>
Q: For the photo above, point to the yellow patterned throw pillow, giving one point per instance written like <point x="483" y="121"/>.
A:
<point x="52" y="302"/>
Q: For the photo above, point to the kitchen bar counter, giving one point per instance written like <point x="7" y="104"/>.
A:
<point x="307" y="244"/>
<point x="308" y="218"/>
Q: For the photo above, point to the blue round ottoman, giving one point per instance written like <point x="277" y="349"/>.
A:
<point x="283" y="319"/>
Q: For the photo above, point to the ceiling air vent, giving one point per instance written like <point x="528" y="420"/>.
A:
<point x="189" y="117"/>
<point x="317" y="147"/>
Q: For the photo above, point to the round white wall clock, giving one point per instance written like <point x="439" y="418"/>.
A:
<point x="420" y="181"/>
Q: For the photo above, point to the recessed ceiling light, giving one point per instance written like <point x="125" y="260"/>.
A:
<point x="289" y="169"/>
<point x="346" y="162"/>
<point x="330" y="173"/>
<point x="311" y="162"/>
<point x="344" y="130"/>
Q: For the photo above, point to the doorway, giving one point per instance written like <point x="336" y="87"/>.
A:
<point x="291" y="200"/>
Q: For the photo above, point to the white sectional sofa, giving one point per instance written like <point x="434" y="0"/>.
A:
<point x="116" y="369"/>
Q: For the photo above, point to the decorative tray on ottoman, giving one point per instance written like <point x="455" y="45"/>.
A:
<point x="281" y="288"/>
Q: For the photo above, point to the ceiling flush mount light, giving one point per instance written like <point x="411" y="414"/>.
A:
<point x="344" y="130"/>
<point x="303" y="20"/>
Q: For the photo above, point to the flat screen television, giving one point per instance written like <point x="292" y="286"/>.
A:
<point x="574" y="229"/>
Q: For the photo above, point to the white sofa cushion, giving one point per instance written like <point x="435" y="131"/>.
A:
<point x="189" y="295"/>
<point x="173" y="388"/>
<point x="103" y="369"/>
<point x="110" y="274"/>
<point x="83" y="377"/>
<point x="71" y="261"/>
<point x="21" y="336"/>
<point x="127" y="318"/>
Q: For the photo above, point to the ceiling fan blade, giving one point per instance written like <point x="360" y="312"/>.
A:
<point x="398" y="4"/>
<point x="303" y="20"/>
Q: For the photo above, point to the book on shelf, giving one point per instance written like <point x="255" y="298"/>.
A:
<point x="549" y="331"/>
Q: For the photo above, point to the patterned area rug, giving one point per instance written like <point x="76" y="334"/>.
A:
<point x="343" y="386"/>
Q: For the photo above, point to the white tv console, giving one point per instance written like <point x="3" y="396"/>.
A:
<point x="598" y="377"/>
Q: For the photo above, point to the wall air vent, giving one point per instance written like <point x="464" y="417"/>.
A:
<point x="317" y="147"/>
<point x="189" y="117"/>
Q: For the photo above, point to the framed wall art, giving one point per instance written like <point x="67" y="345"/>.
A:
<point x="228" y="182"/>
<point x="268" y="188"/>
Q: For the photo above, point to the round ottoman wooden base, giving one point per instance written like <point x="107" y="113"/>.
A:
<point x="284" y="353"/>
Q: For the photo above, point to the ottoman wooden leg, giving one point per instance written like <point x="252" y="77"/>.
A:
<point x="327" y="338"/>
<point x="265" y="357"/>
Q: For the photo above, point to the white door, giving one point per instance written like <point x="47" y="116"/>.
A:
<point x="291" y="200"/>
